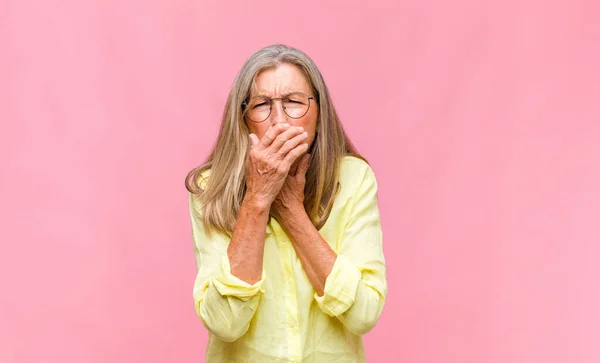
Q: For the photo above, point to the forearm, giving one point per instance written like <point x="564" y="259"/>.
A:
<point x="246" y="248"/>
<point x="314" y="252"/>
<point x="364" y="312"/>
<point x="227" y="289"/>
<point x="226" y="316"/>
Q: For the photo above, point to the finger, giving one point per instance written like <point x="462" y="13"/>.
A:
<point x="253" y="140"/>
<point x="290" y="144"/>
<point x="272" y="133"/>
<point x="303" y="167"/>
<point x="294" y="154"/>
<point x="284" y="137"/>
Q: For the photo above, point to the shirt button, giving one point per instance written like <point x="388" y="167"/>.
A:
<point x="291" y="323"/>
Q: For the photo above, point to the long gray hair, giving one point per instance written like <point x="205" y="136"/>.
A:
<point x="221" y="195"/>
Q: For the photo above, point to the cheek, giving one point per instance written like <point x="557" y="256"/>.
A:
<point x="309" y="122"/>
<point x="310" y="140"/>
<point x="258" y="129"/>
<point x="310" y="127"/>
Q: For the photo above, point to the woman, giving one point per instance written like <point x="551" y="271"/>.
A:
<point x="288" y="241"/>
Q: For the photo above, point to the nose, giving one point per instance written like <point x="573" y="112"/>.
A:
<point x="277" y="113"/>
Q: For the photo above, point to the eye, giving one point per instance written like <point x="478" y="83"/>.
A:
<point x="261" y="104"/>
<point x="296" y="99"/>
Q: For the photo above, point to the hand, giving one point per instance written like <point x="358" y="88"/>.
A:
<point x="270" y="159"/>
<point x="290" y="199"/>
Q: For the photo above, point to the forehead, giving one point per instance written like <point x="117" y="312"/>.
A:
<point x="281" y="80"/>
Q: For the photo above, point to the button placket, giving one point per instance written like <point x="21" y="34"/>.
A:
<point x="291" y="298"/>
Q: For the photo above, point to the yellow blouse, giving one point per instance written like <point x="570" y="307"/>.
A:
<point x="281" y="318"/>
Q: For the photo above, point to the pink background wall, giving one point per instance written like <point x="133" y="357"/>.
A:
<point x="481" y="120"/>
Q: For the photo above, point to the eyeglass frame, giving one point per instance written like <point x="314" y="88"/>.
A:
<point x="245" y="105"/>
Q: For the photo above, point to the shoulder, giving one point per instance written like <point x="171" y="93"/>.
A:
<point x="355" y="174"/>
<point x="355" y="169"/>
<point x="202" y="178"/>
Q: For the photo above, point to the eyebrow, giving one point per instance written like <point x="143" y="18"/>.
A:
<point x="283" y="94"/>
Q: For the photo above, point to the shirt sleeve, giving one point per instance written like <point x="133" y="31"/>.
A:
<point x="224" y="303"/>
<point x="356" y="288"/>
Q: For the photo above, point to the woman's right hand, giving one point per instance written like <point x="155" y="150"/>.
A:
<point x="270" y="159"/>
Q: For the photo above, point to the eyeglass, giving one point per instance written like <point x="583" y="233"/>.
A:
<point x="295" y="105"/>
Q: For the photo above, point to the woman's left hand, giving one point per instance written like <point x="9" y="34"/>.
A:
<point x="290" y="199"/>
